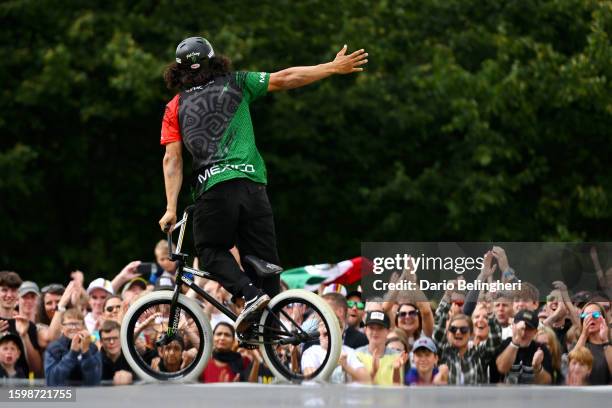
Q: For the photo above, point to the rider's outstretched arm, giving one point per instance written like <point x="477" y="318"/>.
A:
<point x="173" y="177"/>
<point x="296" y="77"/>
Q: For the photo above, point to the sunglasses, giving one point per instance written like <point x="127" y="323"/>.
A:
<point x="359" y="305"/>
<point x="411" y="313"/>
<point x="596" y="315"/>
<point x="462" y="329"/>
<point x="111" y="309"/>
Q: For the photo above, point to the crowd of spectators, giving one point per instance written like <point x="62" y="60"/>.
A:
<point x="68" y="333"/>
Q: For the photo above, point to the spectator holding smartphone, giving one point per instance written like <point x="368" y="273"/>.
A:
<point x="72" y="359"/>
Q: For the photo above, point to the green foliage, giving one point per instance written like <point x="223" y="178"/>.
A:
<point x="475" y="120"/>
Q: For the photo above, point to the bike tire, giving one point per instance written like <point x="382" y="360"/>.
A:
<point x="333" y="328"/>
<point x="131" y="354"/>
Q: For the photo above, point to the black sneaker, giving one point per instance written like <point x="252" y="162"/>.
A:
<point x="251" y="307"/>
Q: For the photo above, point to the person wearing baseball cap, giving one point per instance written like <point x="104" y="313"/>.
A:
<point x="133" y="288"/>
<point x="11" y="348"/>
<point x="376" y="329"/>
<point x="98" y="290"/>
<point x="425" y="370"/>
<point x="219" y="136"/>
<point x="28" y="299"/>
<point x="522" y="360"/>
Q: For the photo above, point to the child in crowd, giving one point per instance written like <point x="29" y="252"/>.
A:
<point x="10" y="351"/>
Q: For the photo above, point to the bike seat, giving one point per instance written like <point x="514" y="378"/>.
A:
<point x="262" y="268"/>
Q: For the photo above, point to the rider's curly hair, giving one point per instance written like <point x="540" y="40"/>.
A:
<point x="180" y="77"/>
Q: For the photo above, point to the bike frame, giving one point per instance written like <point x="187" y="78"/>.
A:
<point x="181" y="279"/>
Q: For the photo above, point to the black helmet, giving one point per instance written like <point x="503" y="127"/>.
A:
<point x="192" y="50"/>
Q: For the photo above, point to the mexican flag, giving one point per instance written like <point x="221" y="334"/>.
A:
<point x="311" y="276"/>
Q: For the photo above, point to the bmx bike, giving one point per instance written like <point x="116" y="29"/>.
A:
<point x="164" y="326"/>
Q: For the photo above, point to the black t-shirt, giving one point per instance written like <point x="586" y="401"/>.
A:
<point x="521" y="371"/>
<point x="600" y="374"/>
<point x="109" y="368"/>
<point x="22" y="362"/>
<point x="353" y="338"/>
<point x="561" y="333"/>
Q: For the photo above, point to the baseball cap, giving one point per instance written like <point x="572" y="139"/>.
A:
<point x="530" y="318"/>
<point x="53" y="288"/>
<point x="14" y="337"/>
<point x="425" y="342"/>
<point x="28" y="287"/>
<point x="100" y="283"/>
<point x="134" y="282"/>
<point x="335" y="288"/>
<point x="376" y="317"/>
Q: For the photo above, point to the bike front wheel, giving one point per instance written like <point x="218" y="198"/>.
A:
<point x="299" y="314"/>
<point x="186" y="353"/>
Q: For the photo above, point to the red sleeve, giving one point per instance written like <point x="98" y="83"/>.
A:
<point x="170" y="131"/>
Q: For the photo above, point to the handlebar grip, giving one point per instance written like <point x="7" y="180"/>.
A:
<point x="189" y="209"/>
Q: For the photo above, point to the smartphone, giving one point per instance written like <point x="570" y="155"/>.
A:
<point x="147" y="268"/>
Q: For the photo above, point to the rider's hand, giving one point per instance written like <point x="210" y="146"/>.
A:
<point x="168" y="220"/>
<point x="346" y="64"/>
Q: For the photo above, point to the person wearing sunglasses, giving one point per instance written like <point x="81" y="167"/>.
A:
<point x="523" y="360"/>
<point x="112" y="309"/>
<point x="595" y="337"/>
<point x="467" y="365"/>
<point x="356" y="310"/>
<point x="351" y="337"/>
<point x="408" y="319"/>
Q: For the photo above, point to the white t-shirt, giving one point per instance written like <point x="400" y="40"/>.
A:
<point x="506" y="332"/>
<point x="313" y="358"/>
<point x="90" y="322"/>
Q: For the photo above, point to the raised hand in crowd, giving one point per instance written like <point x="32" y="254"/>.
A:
<point x="538" y="358"/>
<point x="129" y="271"/>
<point x="21" y="325"/>
<point x="442" y="377"/>
<point x="4" y="326"/>
<point x="488" y="267"/>
<point x="518" y="334"/>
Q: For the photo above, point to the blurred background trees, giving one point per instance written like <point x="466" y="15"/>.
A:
<point x="475" y="120"/>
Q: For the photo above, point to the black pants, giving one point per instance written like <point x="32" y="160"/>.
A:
<point x="236" y="212"/>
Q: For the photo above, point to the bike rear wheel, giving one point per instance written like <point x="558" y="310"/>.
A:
<point x="184" y="357"/>
<point x="320" y="324"/>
